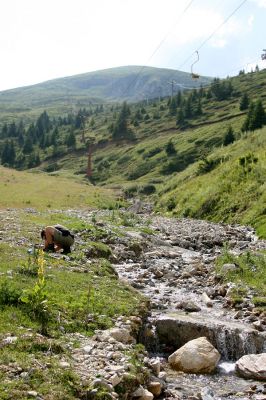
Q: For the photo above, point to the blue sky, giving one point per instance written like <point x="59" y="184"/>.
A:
<point x="46" y="39"/>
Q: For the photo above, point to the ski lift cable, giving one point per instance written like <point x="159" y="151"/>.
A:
<point x="134" y="80"/>
<point x="196" y="76"/>
<point x="213" y="33"/>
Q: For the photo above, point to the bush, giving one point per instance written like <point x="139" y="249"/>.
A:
<point x="9" y="294"/>
<point x="147" y="189"/>
<point x="131" y="190"/>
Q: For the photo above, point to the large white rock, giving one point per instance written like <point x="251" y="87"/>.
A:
<point x="196" y="356"/>
<point x="142" y="394"/>
<point x="252" y="366"/>
<point x="121" y="335"/>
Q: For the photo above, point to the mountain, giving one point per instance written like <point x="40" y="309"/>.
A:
<point x="131" y="83"/>
<point x="194" y="153"/>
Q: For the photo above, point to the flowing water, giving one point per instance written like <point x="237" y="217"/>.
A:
<point x="170" y="275"/>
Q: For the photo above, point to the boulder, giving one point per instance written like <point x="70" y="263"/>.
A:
<point x="119" y="334"/>
<point x="155" y="388"/>
<point x="252" y="366"/>
<point x="142" y="394"/>
<point x="196" y="356"/>
<point x="190" y="306"/>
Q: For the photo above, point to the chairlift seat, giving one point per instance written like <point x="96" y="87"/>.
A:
<point x="194" y="76"/>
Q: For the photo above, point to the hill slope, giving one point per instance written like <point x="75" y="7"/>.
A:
<point x="130" y="83"/>
<point x="163" y="146"/>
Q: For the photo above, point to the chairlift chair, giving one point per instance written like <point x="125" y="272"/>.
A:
<point x="263" y="56"/>
<point x="193" y="74"/>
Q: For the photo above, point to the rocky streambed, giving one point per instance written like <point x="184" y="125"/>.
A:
<point x="172" y="262"/>
<point x="176" y="272"/>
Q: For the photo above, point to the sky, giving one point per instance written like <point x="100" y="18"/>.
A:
<point x="42" y="40"/>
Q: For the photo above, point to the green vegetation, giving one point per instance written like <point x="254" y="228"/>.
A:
<point x="41" y="191"/>
<point x="249" y="274"/>
<point x="199" y="153"/>
<point x="46" y="299"/>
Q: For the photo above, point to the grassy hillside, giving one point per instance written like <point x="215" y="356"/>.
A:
<point x="62" y="95"/>
<point x="159" y="152"/>
<point x="41" y="191"/>
<point x="232" y="191"/>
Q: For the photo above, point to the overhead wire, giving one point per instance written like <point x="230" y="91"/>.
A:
<point x="134" y="80"/>
<point x="214" y="32"/>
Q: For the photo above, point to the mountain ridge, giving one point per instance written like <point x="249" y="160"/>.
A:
<point x="130" y="83"/>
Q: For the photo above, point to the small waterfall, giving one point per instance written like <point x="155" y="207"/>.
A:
<point x="231" y="339"/>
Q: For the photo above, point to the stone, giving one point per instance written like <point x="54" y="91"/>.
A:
<point x="115" y="380"/>
<point x="102" y="383"/>
<point x="155" y="388"/>
<point x="252" y="366"/>
<point x="64" y="364"/>
<point x="32" y="393"/>
<point x="155" y="366"/>
<point x="10" y="339"/>
<point x="196" y="356"/>
<point x="228" y="268"/>
<point x="87" y="349"/>
<point x="206" y="299"/>
<point x="142" y="394"/>
<point x="162" y="375"/>
<point x="190" y="306"/>
<point x="206" y="394"/>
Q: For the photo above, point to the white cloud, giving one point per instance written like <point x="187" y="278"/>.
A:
<point x="260" y="3"/>
<point x="251" y="21"/>
<point x="220" y="43"/>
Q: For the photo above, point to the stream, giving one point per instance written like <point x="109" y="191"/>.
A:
<point x="176" y="272"/>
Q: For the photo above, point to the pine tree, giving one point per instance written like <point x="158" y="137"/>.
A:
<point x="259" y="115"/>
<point x="198" y="110"/>
<point x="71" y="140"/>
<point x="170" y="148"/>
<point x="121" y="129"/>
<point x="244" y="102"/>
<point x="28" y="145"/>
<point x="229" y="136"/>
<point x="173" y="106"/>
<point x="188" y="108"/>
<point x="180" y="122"/>
<point x="8" y="155"/>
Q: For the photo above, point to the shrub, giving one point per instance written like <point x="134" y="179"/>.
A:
<point x="131" y="190"/>
<point x="147" y="189"/>
<point x="9" y="294"/>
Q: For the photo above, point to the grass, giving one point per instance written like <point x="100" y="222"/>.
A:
<point x="228" y="193"/>
<point x="249" y="275"/>
<point x="77" y="296"/>
<point x="42" y="191"/>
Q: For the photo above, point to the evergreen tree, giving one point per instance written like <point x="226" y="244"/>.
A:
<point x="259" y="115"/>
<point x="12" y="130"/>
<point x="170" y="148"/>
<point x="28" y="145"/>
<point x="180" y="122"/>
<point x="198" y="110"/>
<point x="20" y="139"/>
<point x="255" y="118"/>
<point x="120" y="128"/>
<point x="4" y="131"/>
<point x="244" y="102"/>
<point x="229" y="136"/>
<point x="188" y="108"/>
<point x="71" y="140"/>
<point x="250" y="116"/>
<point x="179" y="98"/>
<point x="54" y="137"/>
<point x="173" y="106"/>
<point x="8" y="155"/>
